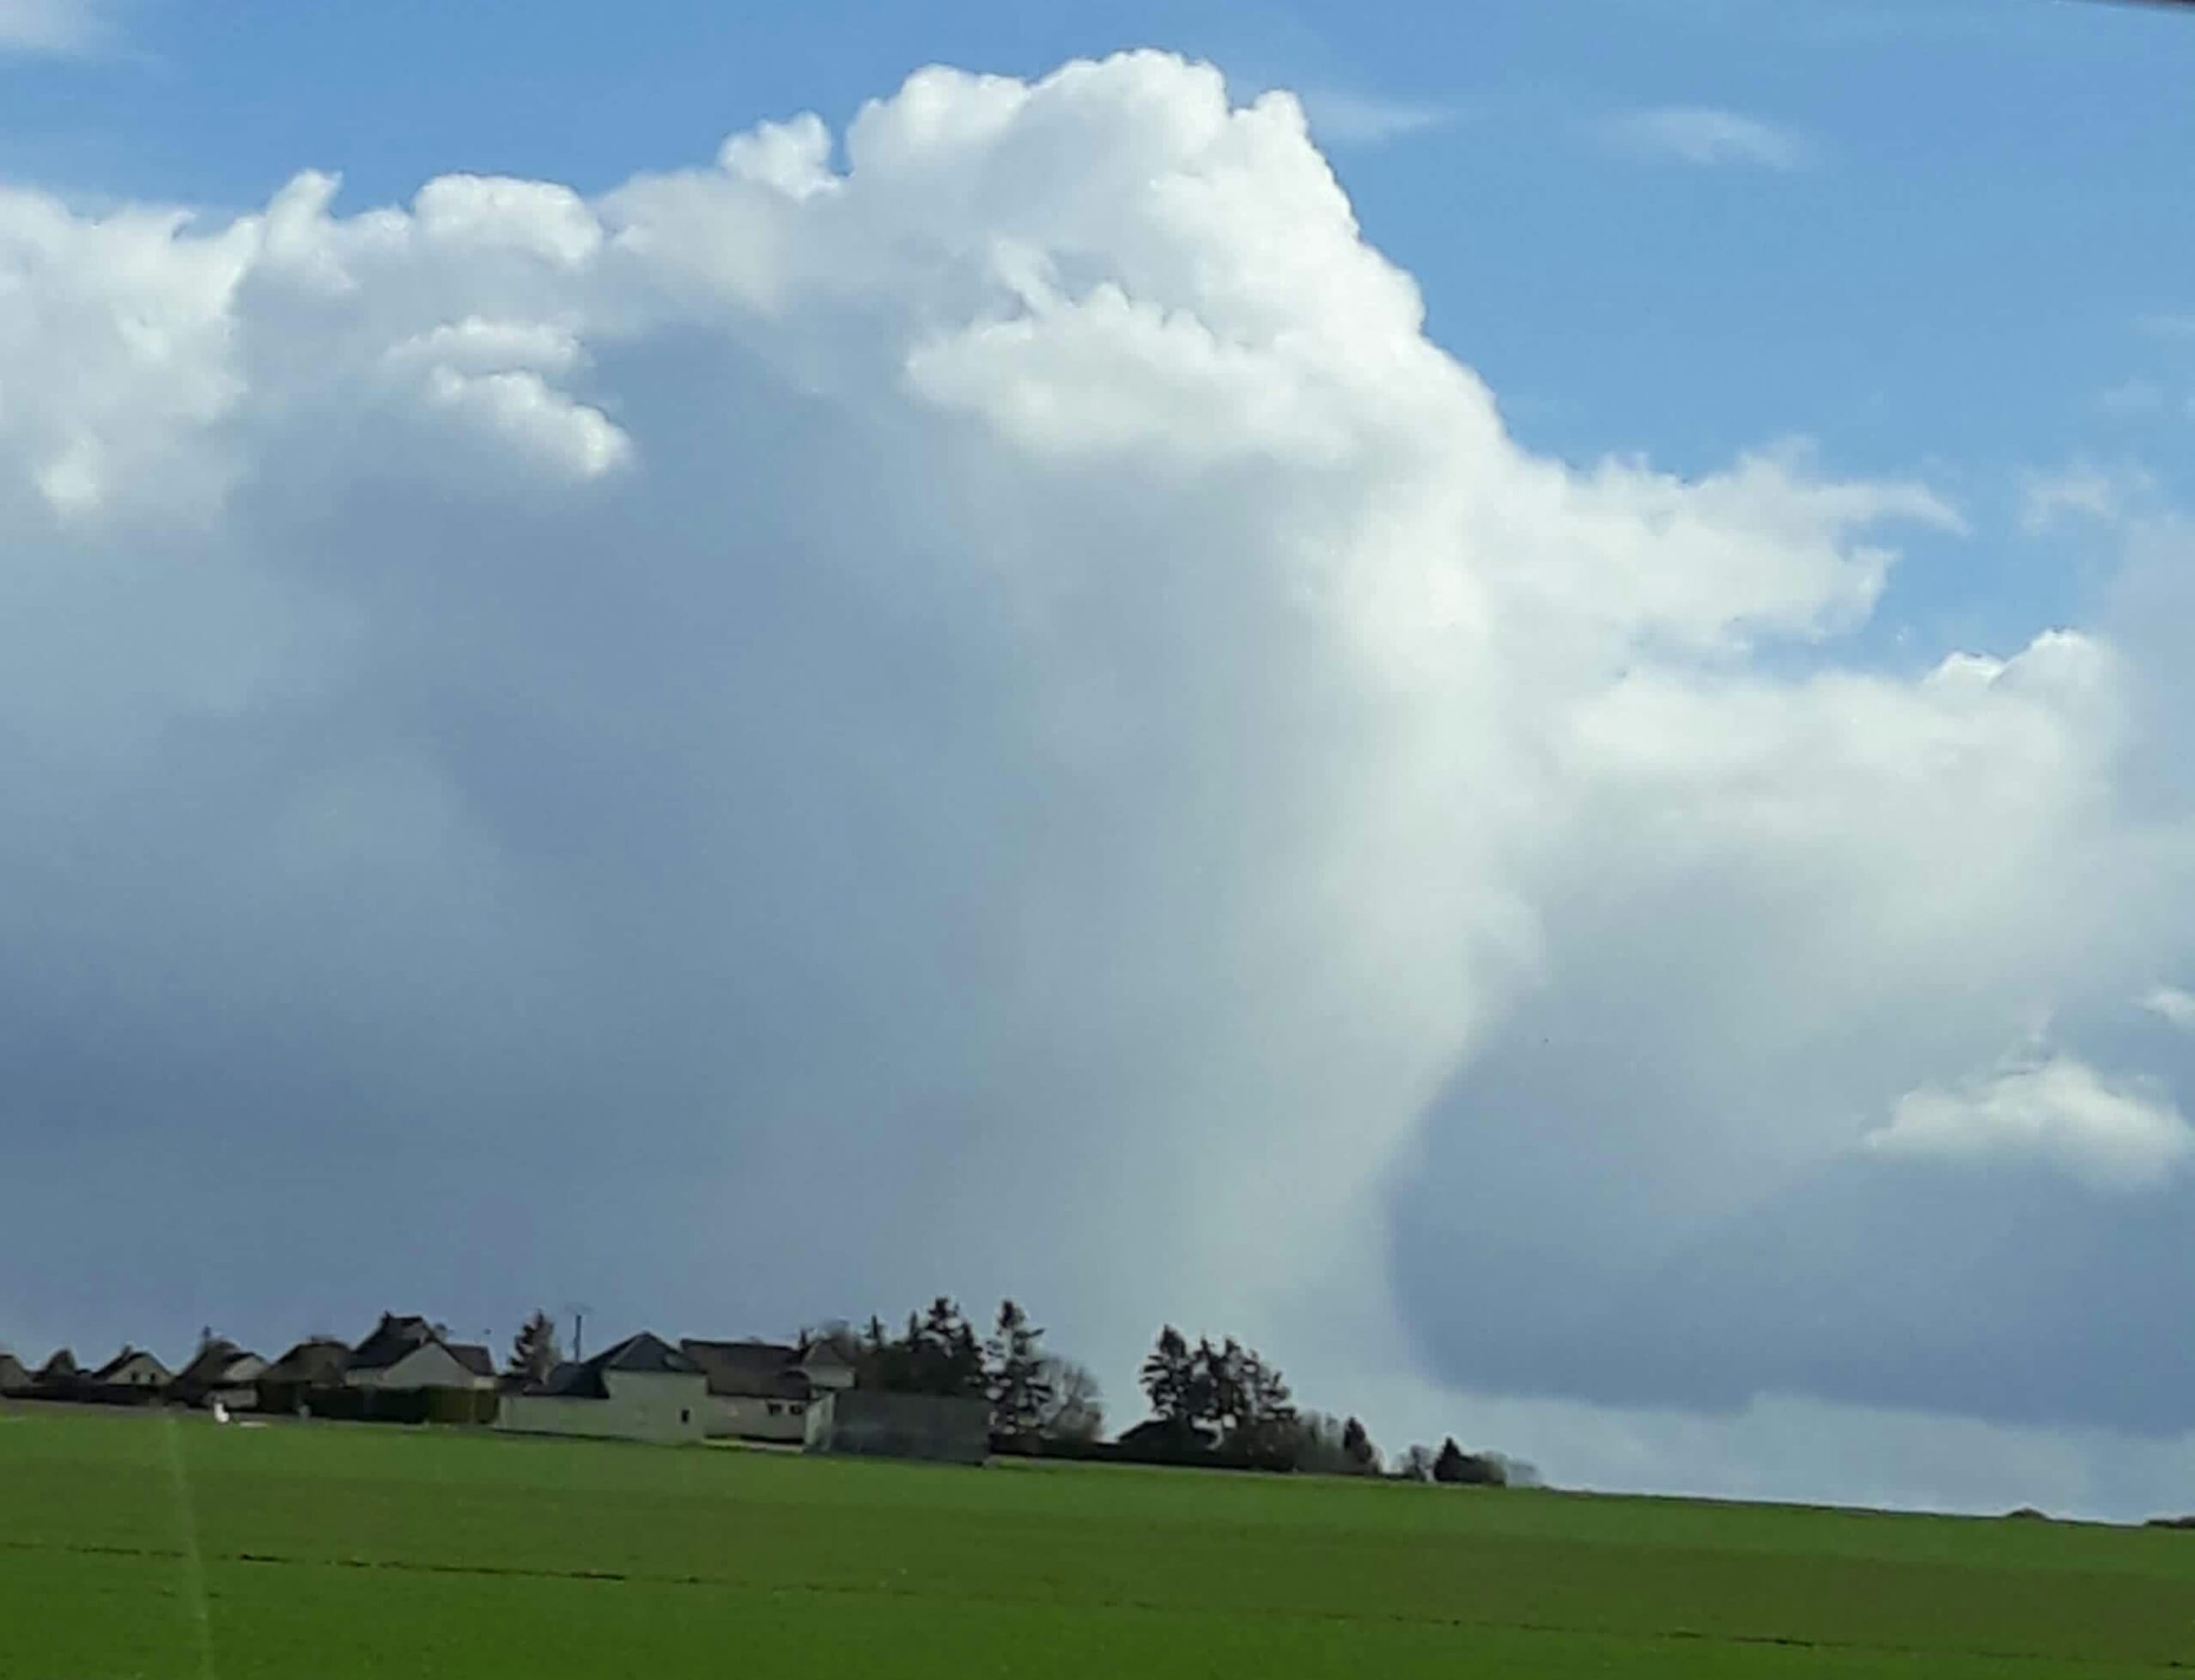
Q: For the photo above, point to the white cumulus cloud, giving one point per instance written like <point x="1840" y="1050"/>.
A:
<point x="2115" y="1136"/>
<point x="2171" y="1004"/>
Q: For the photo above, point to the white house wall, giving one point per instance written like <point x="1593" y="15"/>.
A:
<point x="748" y="1418"/>
<point x="641" y="1407"/>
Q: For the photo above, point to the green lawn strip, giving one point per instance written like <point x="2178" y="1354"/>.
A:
<point x="1386" y="1562"/>
<point x="76" y="1615"/>
<point x="338" y="1624"/>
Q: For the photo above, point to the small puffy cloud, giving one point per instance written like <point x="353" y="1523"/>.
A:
<point x="1363" y="119"/>
<point x="2125" y="1136"/>
<point x="51" y="26"/>
<point x="2082" y="489"/>
<point x="485" y="212"/>
<point x="2170" y="1003"/>
<point x="1708" y="136"/>
<point x="793" y="158"/>
<point x="520" y="407"/>
<point x="475" y="345"/>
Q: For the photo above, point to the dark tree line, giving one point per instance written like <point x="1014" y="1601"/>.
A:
<point x="1036" y="1398"/>
<point x="1225" y="1404"/>
<point x="1452" y="1465"/>
<point x="1218" y="1404"/>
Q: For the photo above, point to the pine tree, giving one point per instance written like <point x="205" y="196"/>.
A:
<point x="1167" y="1377"/>
<point x="1357" y="1447"/>
<point x="1450" y="1466"/>
<point x="940" y="1354"/>
<point x="534" y="1353"/>
<point x="1017" y="1384"/>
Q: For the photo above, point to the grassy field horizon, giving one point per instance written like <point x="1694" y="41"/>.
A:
<point x="149" y="1545"/>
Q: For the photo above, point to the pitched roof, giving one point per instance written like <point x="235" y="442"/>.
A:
<point x="60" y="1363"/>
<point x="316" y="1361"/>
<point x="210" y="1367"/>
<point x="474" y="1357"/>
<point x="645" y="1352"/>
<point x="390" y="1341"/>
<point x="107" y="1371"/>
<point x="750" y="1370"/>
<point x="206" y="1365"/>
<point x="12" y="1373"/>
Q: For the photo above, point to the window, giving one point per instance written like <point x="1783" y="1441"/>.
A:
<point x="775" y="1409"/>
<point x="798" y="1409"/>
<point x="684" y="1416"/>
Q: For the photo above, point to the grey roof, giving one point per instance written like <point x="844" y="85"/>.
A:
<point x="12" y="1373"/>
<point x="128" y="1353"/>
<point x="645" y="1352"/>
<point x="59" y="1364"/>
<point x="474" y="1357"/>
<point x="573" y="1380"/>
<point x="211" y="1364"/>
<point x="317" y="1360"/>
<point x="390" y="1341"/>
<point x="750" y="1370"/>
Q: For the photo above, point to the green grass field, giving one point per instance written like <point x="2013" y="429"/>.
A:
<point x="153" y="1546"/>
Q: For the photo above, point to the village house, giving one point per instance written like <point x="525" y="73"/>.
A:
<point x="641" y="1390"/>
<point x="762" y="1391"/>
<point x="315" y="1366"/>
<point x="222" y="1373"/>
<point x="407" y="1353"/>
<point x="13" y="1378"/>
<point x="134" y="1369"/>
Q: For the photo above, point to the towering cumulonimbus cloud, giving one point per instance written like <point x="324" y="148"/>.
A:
<point x="975" y="706"/>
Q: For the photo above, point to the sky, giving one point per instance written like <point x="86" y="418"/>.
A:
<point x="1497" y="698"/>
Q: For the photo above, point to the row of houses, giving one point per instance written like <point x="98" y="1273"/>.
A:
<point x="645" y="1389"/>
<point x="401" y="1354"/>
<point x="407" y="1369"/>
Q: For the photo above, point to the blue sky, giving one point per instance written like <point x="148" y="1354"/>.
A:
<point x="1010" y="695"/>
<point x="1955" y="257"/>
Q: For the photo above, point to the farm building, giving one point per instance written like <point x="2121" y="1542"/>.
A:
<point x="641" y="1390"/>
<point x="762" y="1391"/>
<point x="407" y="1353"/>
<point x="873" y="1423"/>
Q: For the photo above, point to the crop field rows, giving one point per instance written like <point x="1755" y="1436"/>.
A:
<point x="164" y="1548"/>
